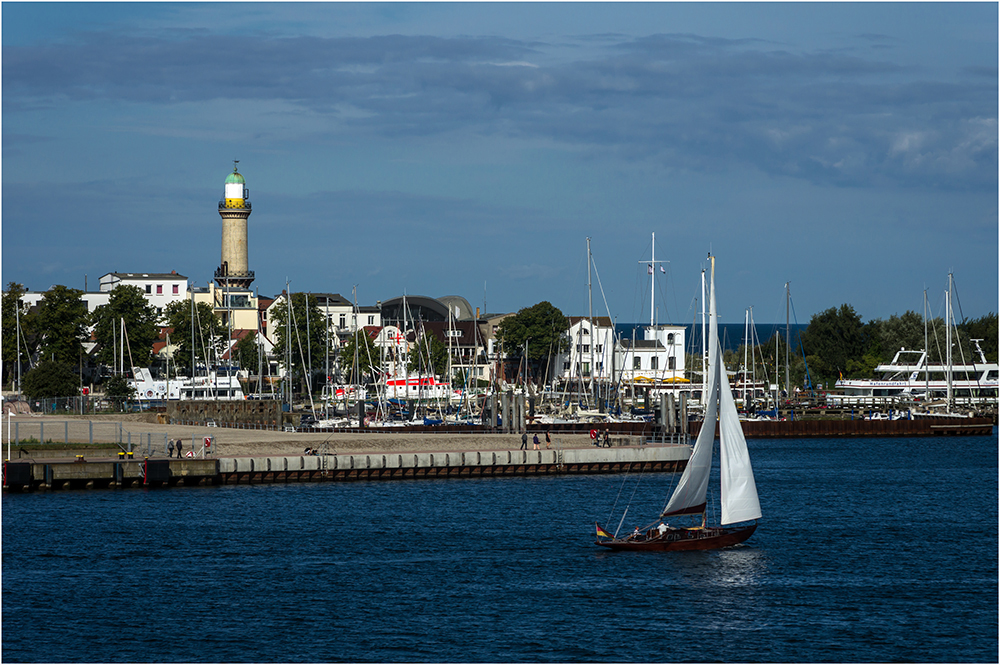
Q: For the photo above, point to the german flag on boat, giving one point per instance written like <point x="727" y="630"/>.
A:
<point x="601" y="532"/>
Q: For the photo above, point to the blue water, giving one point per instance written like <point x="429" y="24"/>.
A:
<point x="869" y="550"/>
<point x="731" y="335"/>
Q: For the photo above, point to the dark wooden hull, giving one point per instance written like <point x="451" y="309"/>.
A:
<point x="683" y="540"/>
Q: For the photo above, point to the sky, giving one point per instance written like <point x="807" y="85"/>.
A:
<point x="848" y="150"/>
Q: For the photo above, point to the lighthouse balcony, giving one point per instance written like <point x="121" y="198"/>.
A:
<point x="243" y="205"/>
<point x="224" y="277"/>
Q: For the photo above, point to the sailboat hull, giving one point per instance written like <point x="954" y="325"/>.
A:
<point x="682" y="540"/>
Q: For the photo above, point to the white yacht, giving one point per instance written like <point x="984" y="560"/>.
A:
<point x="217" y="385"/>
<point x="910" y="375"/>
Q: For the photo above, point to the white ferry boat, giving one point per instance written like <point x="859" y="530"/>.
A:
<point x="218" y="385"/>
<point x="909" y="375"/>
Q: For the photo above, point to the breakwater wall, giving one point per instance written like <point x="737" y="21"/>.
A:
<point x="80" y="473"/>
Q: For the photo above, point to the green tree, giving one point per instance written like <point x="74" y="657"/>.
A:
<point x="118" y="390"/>
<point x="307" y="335"/>
<point x="208" y="330"/>
<point x="51" y="378"/>
<point x="62" y="321"/>
<point x="542" y="326"/>
<point x="126" y="303"/>
<point x="367" y="358"/>
<point x="429" y="347"/>
<point x="836" y="336"/>
<point x="246" y="353"/>
<point x="984" y="328"/>
<point x="13" y="310"/>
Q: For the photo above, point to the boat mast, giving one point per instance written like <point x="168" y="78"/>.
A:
<point x="948" y="314"/>
<point x="704" y="342"/>
<point x="17" y="318"/>
<point x="746" y="345"/>
<point x="927" y="374"/>
<point x="590" y="302"/>
<point x="788" y="341"/>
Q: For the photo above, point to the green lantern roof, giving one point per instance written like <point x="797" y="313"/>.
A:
<point x="235" y="178"/>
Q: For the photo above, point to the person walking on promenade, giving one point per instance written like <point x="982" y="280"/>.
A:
<point x="170" y="448"/>
<point x="534" y="441"/>
<point x="524" y="440"/>
<point x="548" y="440"/>
<point x="179" y="446"/>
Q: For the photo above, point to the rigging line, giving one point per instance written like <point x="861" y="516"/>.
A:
<point x="618" y="496"/>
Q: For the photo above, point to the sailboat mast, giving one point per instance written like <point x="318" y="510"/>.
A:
<point x="746" y="345"/>
<point x="948" y="314"/>
<point x="788" y="341"/>
<point x="652" y="283"/>
<point x="927" y="356"/>
<point x="593" y="341"/>
<point x="704" y="339"/>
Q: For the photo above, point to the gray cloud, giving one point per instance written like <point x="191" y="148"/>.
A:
<point x="679" y="101"/>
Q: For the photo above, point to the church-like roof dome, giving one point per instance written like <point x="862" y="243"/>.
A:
<point x="235" y="178"/>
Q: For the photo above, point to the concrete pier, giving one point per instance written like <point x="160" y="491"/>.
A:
<point x="80" y="473"/>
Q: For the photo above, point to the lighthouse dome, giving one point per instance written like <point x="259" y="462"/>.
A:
<point x="236" y="191"/>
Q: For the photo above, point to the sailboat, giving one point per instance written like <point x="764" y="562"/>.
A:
<point x="740" y="505"/>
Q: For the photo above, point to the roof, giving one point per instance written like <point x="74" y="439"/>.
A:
<point x="146" y="275"/>
<point x="235" y="178"/>
<point x="602" y="321"/>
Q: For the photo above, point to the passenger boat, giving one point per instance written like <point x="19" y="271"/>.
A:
<point x="910" y="375"/>
<point x="219" y="384"/>
<point x="740" y="505"/>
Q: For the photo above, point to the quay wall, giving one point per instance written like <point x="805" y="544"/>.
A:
<point x="123" y="473"/>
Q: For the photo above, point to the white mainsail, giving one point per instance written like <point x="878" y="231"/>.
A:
<point x="739" y="492"/>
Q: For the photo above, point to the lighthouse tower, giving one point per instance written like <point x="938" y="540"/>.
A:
<point x="234" y="209"/>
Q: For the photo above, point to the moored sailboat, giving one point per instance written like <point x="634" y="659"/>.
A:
<point x="740" y="504"/>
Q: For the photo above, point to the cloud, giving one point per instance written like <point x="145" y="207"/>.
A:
<point x="677" y="101"/>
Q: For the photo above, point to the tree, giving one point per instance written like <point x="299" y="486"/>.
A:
<point x="247" y="354"/>
<point x="62" y="321"/>
<point x="984" y="328"/>
<point x="49" y="379"/>
<point x="542" y="326"/>
<point x="835" y="336"/>
<point x="118" y="390"/>
<point x="14" y="312"/>
<point x="307" y="335"/>
<point x="429" y="347"/>
<point x="367" y="355"/>
<point x="126" y="303"/>
<point x="208" y="329"/>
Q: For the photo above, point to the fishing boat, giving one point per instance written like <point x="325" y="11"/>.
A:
<point x="740" y="505"/>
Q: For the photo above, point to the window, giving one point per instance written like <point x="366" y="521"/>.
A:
<point x="453" y="332"/>
<point x="637" y="363"/>
<point x="159" y="289"/>
<point x="585" y="331"/>
<point x="586" y="369"/>
<point x="371" y="319"/>
<point x="343" y="320"/>
<point x="566" y="366"/>
<point x="654" y="363"/>
<point x="599" y="348"/>
<point x="586" y="348"/>
<point x="672" y="362"/>
<point x="149" y="288"/>
<point x="670" y="338"/>
<point x="177" y="289"/>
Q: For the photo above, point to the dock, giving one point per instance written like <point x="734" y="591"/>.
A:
<point x="122" y="473"/>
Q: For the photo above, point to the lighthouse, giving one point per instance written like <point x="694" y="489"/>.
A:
<point x="234" y="208"/>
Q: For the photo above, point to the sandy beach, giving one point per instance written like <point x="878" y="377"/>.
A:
<point x="244" y="442"/>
